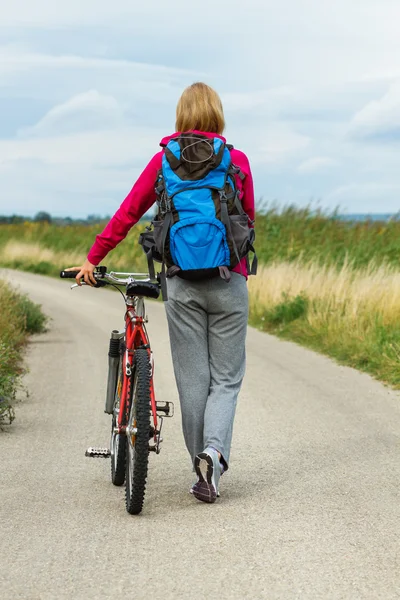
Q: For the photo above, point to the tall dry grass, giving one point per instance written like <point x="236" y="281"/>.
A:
<point x="33" y="253"/>
<point x="350" y="314"/>
<point x="47" y="249"/>
<point x="374" y="290"/>
<point x="33" y="256"/>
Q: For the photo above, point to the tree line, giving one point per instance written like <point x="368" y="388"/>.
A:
<point x="45" y="217"/>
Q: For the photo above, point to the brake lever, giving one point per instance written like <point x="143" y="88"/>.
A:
<point x="76" y="285"/>
<point x="99" y="284"/>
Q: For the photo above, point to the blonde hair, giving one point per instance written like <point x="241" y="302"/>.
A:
<point x="200" y="108"/>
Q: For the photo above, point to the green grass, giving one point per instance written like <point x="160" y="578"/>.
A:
<point x="47" y="249"/>
<point x="352" y="315"/>
<point x="19" y="318"/>
<point x="287" y="311"/>
<point x="376" y="351"/>
<point x="301" y="233"/>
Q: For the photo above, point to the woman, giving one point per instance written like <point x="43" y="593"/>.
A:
<point x="207" y="319"/>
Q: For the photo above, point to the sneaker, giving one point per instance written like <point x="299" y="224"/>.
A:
<point x="208" y="470"/>
<point x="196" y="487"/>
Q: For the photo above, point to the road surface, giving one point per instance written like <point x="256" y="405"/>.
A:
<point x="309" y="509"/>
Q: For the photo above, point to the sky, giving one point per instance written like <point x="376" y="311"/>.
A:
<point x="310" y="88"/>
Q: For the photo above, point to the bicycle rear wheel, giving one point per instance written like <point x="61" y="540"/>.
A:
<point x="137" y="446"/>
<point x="118" y="440"/>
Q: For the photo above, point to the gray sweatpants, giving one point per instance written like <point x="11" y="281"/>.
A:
<point x="207" y="323"/>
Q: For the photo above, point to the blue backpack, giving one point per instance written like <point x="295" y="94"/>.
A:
<point x="200" y="230"/>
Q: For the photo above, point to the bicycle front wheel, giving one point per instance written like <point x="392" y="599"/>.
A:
<point x="137" y="447"/>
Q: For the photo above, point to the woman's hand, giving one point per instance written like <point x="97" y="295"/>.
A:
<point x="86" y="271"/>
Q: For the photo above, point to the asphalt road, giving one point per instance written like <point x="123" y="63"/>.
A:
<point x="309" y="509"/>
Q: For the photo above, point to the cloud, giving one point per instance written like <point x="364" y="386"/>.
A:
<point x="366" y="197"/>
<point x="174" y="14"/>
<point x="14" y="58"/>
<point x="75" y="174"/>
<point x="36" y="71"/>
<point x="270" y="99"/>
<point x="379" y="120"/>
<point x="45" y="13"/>
<point x="293" y="41"/>
<point x="279" y="143"/>
<point x="140" y="87"/>
<point x="318" y="163"/>
<point x="89" y="111"/>
<point x="101" y="148"/>
<point x="90" y="87"/>
<point x="66" y="85"/>
<point x="64" y="189"/>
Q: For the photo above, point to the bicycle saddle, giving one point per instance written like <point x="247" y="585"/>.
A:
<point x="143" y="288"/>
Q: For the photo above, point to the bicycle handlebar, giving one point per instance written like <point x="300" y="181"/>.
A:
<point x="113" y="277"/>
<point x="68" y="274"/>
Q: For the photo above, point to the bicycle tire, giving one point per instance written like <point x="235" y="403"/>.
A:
<point x="137" y="450"/>
<point x="118" y="440"/>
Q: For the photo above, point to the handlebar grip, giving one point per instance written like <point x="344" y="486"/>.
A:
<point x="68" y="274"/>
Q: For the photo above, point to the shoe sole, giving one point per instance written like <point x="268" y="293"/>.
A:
<point x="204" y="490"/>
<point x="191" y="491"/>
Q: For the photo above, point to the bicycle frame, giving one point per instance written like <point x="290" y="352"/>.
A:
<point x="135" y="337"/>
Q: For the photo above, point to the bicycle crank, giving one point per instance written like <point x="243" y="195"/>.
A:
<point x="98" y="453"/>
<point x="157" y="439"/>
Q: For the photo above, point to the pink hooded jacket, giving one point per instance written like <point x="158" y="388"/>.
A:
<point x="142" y="196"/>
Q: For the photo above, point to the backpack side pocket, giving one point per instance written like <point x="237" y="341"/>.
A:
<point x="157" y="233"/>
<point x="242" y="235"/>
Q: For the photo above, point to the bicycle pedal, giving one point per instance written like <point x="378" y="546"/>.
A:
<point x="98" y="453"/>
<point x="166" y="408"/>
<point x="155" y="448"/>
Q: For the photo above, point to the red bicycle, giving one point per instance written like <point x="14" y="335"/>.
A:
<point x="137" y="417"/>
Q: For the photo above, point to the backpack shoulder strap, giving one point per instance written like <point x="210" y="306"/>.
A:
<point x="237" y="171"/>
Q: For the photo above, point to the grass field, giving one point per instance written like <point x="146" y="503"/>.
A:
<point x="350" y="314"/>
<point x="328" y="284"/>
<point x="300" y="234"/>
<point x="47" y="249"/>
<point x="19" y="317"/>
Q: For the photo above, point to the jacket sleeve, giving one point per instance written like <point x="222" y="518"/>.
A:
<point x="248" y="191"/>
<point x="139" y="200"/>
<point x="247" y="196"/>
